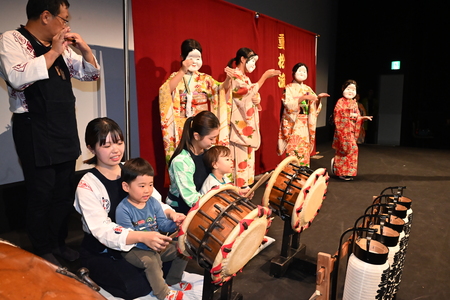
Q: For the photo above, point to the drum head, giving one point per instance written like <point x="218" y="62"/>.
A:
<point x="310" y="200"/>
<point x="273" y="178"/>
<point x="184" y="226"/>
<point x="244" y="245"/>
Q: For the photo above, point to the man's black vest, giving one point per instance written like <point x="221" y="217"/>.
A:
<point x="51" y="106"/>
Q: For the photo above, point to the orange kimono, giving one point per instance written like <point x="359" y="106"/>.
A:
<point x="175" y="108"/>
<point x="245" y="137"/>
<point x="297" y="132"/>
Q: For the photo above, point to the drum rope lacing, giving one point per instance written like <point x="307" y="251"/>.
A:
<point x="282" y="211"/>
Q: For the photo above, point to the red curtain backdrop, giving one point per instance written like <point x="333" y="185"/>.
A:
<point x="221" y="28"/>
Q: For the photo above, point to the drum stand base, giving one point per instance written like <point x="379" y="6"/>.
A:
<point x="290" y="250"/>
<point x="210" y="290"/>
<point x="280" y="264"/>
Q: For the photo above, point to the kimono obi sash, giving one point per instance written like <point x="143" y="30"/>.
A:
<point x="192" y="104"/>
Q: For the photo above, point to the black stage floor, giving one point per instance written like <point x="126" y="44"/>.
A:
<point x="426" y="175"/>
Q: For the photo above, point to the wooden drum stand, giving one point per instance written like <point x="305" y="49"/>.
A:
<point x="296" y="194"/>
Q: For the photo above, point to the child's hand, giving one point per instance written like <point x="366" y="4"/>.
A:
<point x="155" y="240"/>
<point x="244" y="191"/>
<point x="178" y="218"/>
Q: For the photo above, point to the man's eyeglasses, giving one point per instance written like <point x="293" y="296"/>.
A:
<point x="66" y="22"/>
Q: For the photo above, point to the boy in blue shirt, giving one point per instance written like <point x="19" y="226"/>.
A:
<point x="141" y="212"/>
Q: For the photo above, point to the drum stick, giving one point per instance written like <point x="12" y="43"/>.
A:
<point x="263" y="179"/>
<point x="173" y="235"/>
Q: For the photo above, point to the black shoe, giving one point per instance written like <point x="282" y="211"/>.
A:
<point x="51" y="258"/>
<point x="346" y="178"/>
<point x="66" y="253"/>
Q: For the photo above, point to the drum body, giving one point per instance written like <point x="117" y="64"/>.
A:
<point x="24" y="275"/>
<point x="296" y="192"/>
<point x="223" y="231"/>
<point x="285" y="186"/>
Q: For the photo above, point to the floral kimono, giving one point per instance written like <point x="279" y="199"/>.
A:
<point x="176" y="107"/>
<point x="245" y="137"/>
<point x="297" y="132"/>
<point x="348" y="124"/>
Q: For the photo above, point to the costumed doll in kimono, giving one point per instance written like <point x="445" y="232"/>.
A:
<point x="245" y="137"/>
<point x="297" y="132"/>
<point x="186" y="93"/>
<point x="348" y="121"/>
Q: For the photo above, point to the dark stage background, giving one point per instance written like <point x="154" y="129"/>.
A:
<point x="372" y="34"/>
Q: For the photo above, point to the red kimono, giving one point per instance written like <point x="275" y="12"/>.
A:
<point x="348" y="125"/>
